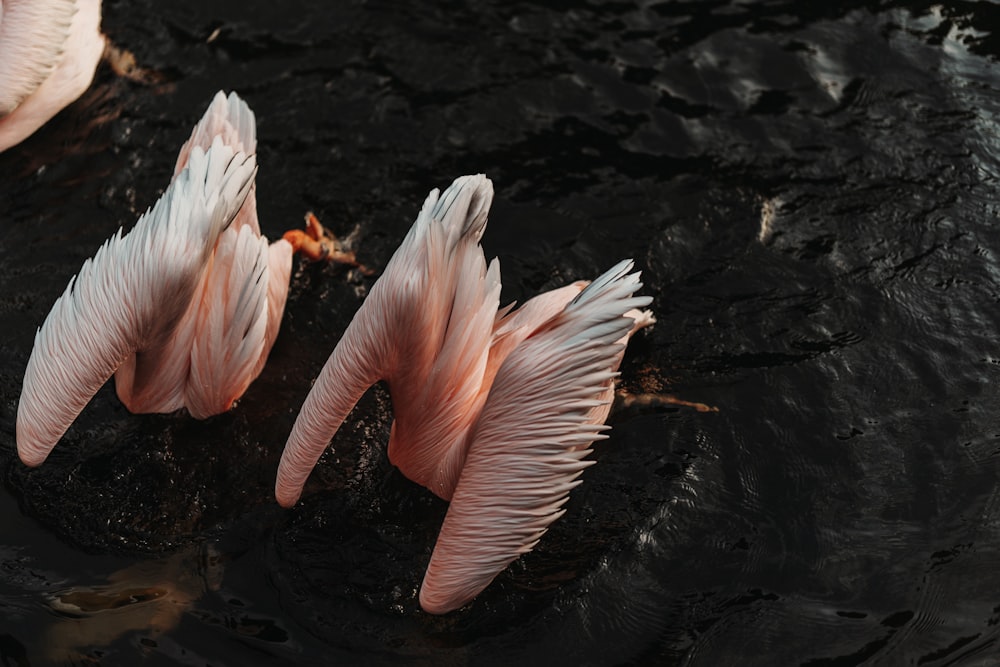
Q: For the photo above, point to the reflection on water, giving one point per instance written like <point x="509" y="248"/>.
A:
<point x="148" y="598"/>
<point x="811" y="195"/>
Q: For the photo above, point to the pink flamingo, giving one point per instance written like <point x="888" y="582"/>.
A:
<point x="49" y="50"/>
<point x="494" y="410"/>
<point x="182" y="310"/>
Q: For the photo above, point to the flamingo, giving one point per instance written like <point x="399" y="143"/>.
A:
<point x="494" y="410"/>
<point x="49" y="51"/>
<point x="183" y="309"/>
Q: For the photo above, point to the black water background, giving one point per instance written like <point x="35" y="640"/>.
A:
<point x="810" y="193"/>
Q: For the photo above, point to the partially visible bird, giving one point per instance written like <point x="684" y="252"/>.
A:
<point x="49" y="51"/>
<point x="182" y="310"/>
<point x="494" y="410"/>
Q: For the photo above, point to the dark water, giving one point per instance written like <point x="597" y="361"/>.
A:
<point x="811" y="194"/>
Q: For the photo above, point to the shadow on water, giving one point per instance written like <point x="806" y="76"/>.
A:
<point x="811" y="195"/>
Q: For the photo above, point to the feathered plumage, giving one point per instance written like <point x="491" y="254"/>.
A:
<point x="494" y="410"/>
<point x="182" y="310"/>
<point x="49" y="51"/>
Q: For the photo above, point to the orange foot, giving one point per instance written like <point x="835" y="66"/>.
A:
<point x="659" y="400"/>
<point x="316" y="243"/>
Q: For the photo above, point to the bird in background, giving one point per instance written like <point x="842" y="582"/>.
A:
<point x="183" y="309"/>
<point x="494" y="409"/>
<point x="49" y="52"/>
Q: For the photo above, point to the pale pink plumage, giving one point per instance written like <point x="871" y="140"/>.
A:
<point x="494" y="411"/>
<point x="49" y="51"/>
<point x="183" y="309"/>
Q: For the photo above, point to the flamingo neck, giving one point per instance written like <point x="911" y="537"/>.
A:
<point x="349" y="372"/>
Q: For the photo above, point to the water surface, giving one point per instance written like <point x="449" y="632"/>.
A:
<point x="811" y="195"/>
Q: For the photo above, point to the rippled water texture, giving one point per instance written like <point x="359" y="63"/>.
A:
<point x="811" y="194"/>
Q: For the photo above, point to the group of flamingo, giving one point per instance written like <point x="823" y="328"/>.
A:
<point x="495" y="409"/>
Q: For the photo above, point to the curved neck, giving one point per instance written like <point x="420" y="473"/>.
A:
<point x="353" y="367"/>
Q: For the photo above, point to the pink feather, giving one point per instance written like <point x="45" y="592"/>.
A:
<point x="182" y="310"/>
<point x="493" y="410"/>
<point x="50" y="50"/>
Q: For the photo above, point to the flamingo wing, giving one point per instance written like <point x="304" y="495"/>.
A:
<point x="245" y="273"/>
<point x="231" y="323"/>
<point x="227" y="117"/>
<point x="437" y="387"/>
<point x="220" y="344"/>
<point x="129" y="296"/>
<point x="279" y="271"/>
<point x="433" y="305"/>
<point x="32" y="37"/>
<point x="232" y="120"/>
<point x="530" y="440"/>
